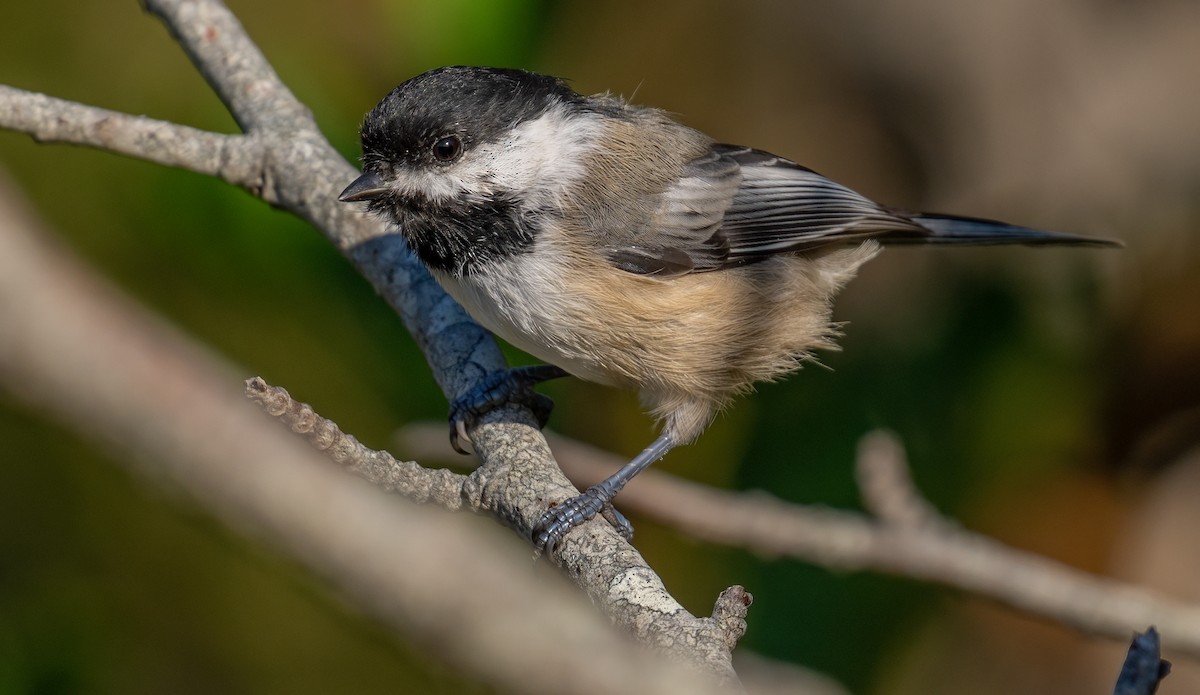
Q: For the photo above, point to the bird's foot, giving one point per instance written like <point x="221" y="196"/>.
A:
<point x="496" y="389"/>
<point x="557" y="521"/>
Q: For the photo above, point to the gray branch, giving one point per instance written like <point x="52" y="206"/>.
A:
<point x="238" y="72"/>
<point x="234" y="158"/>
<point x="656" y="616"/>
<point x="438" y="486"/>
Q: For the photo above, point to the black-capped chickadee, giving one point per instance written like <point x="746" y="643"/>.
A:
<point x="626" y="248"/>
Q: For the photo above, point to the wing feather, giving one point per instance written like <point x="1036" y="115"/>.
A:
<point x="736" y="205"/>
<point x="783" y="207"/>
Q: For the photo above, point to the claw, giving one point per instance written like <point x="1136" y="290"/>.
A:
<point x="618" y="521"/>
<point x="458" y="434"/>
<point x="510" y="386"/>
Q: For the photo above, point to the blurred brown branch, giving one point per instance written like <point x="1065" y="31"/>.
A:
<point x="906" y="537"/>
<point x="287" y="162"/>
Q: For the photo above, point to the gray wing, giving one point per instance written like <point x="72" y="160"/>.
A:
<point x="736" y="205"/>
<point x="782" y="207"/>
<point x="684" y="232"/>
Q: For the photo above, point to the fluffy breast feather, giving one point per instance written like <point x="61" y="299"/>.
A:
<point x="689" y="344"/>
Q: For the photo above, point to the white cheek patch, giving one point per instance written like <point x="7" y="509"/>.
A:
<point x="542" y="157"/>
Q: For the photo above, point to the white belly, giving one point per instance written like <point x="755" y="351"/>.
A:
<point x="526" y="304"/>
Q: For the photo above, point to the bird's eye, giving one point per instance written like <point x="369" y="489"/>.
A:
<point x="447" y="149"/>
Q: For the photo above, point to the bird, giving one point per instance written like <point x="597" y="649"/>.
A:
<point x="623" y="247"/>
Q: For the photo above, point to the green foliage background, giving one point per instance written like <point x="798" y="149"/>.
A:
<point x="1020" y="380"/>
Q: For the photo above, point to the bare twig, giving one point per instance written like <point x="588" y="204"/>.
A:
<point x="295" y="168"/>
<point x="715" y="635"/>
<point x="237" y="71"/>
<point x="887" y="488"/>
<point x="234" y="158"/>
<point x="911" y="540"/>
<point x="437" y="485"/>
<point x="1144" y="666"/>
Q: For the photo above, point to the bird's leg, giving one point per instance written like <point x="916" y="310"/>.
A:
<point x="510" y="386"/>
<point x="558" y="520"/>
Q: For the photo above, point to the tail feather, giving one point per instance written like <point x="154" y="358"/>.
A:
<point x="953" y="229"/>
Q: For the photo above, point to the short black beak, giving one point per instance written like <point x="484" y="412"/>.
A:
<point x="365" y="187"/>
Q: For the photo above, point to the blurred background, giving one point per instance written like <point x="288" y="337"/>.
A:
<point x="1050" y="398"/>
